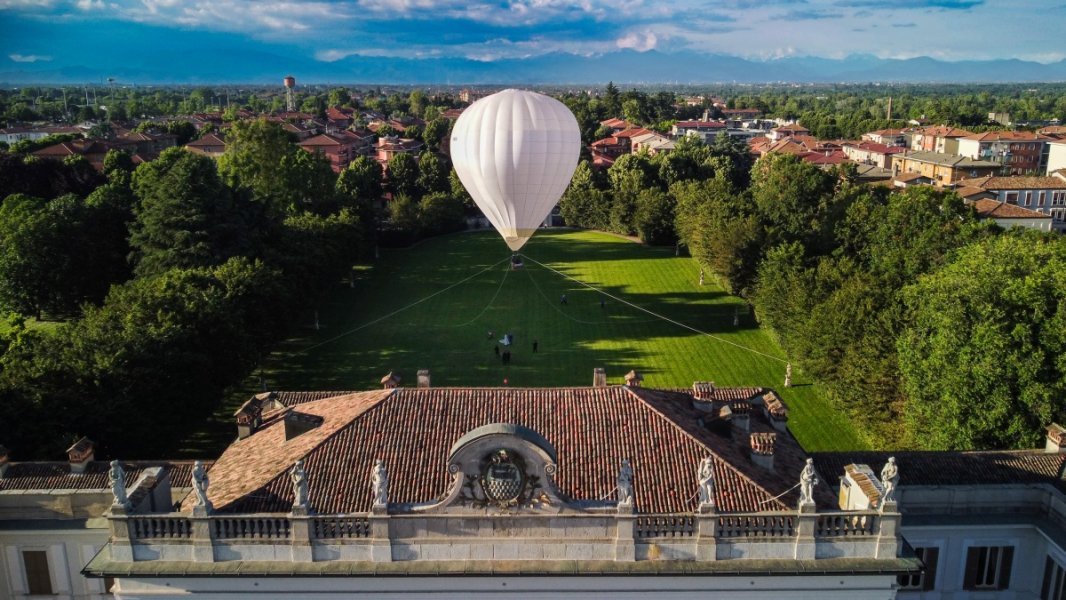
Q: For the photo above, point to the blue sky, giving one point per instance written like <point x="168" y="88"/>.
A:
<point x="60" y="32"/>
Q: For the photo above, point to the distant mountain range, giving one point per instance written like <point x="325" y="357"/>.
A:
<point x="624" y="67"/>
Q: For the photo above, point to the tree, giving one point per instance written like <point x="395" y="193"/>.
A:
<point x="360" y="181"/>
<point x="654" y="220"/>
<point x="628" y="176"/>
<point x="254" y="152"/>
<point x="186" y="216"/>
<point x="403" y="175"/>
<point x="722" y="234"/>
<point x="982" y="357"/>
<point x="791" y="198"/>
<point x="435" y="132"/>
<point x="432" y="174"/>
<point x="583" y="204"/>
<point x="310" y="182"/>
<point x="439" y="213"/>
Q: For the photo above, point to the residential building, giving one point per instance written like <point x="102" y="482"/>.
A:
<point x="1057" y="132"/>
<point x="93" y="150"/>
<point x="791" y="129"/>
<point x="888" y="137"/>
<point x="872" y="153"/>
<point x="390" y="146"/>
<point x="652" y="143"/>
<point x="340" y="148"/>
<point x="616" y="125"/>
<point x="940" y="139"/>
<point x="212" y="144"/>
<point x="741" y="113"/>
<point x="1020" y="152"/>
<point x="943" y="169"/>
<point x="13" y="134"/>
<point x="705" y="129"/>
<point x="1044" y="194"/>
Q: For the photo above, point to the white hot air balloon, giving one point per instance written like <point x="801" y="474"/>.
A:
<point x="515" y="152"/>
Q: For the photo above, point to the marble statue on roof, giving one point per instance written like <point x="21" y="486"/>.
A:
<point x="889" y="479"/>
<point x="379" y="480"/>
<point x="706" y="481"/>
<point x="625" y="483"/>
<point x="808" y="479"/>
<point x="299" y="485"/>
<point x="117" y="477"/>
<point x="200" y="482"/>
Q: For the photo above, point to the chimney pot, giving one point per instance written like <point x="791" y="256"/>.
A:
<point x="599" y="377"/>
<point x="423" y="378"/>
<point x="81" y="454"/>
<point x="390" y="381"/>
<point x="633" y="378"/>
<point x="762" y="449"/>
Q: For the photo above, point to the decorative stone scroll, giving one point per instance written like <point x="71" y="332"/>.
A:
<point x="501" y="467"/>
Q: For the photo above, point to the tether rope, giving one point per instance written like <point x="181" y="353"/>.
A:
<point x="400" y="310"/>
<point x="655" y="314"/>
<point x="489" y="305"/>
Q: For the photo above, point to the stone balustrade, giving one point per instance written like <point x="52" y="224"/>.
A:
<point x="599" y="535"/>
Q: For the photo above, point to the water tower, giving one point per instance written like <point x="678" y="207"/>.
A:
<point x="290" y="94"/>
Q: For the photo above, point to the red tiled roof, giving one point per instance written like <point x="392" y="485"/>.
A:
<point x="57" y="476"/>
<point x="996" y="136"/>
<point x="211" y="139"/>
<point x="632" y="132"/>
<point x="412" y="430"/>
<point x="994" y="209"/>
<point x="944" y="131"/>
<point x="1015" y="183"/>
<point x="704" y="124"/>
<point x="877" y="148"/>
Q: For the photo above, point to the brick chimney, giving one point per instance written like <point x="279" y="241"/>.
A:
<point x="633" y="379"/>
<point x="390" y="381"/>
<point x="1056" y="438"/>
<point x="249" y="416"/>
<point x="81" y="454"/>
<point x="762" y="449"/>
<point x="423" y="378"/>
<point x="599" y="377"/>
<point x="703" y="390"/>
<point x="775" y="410"/>
<point x="741" y="415"/>
<point x="4" y="460"/>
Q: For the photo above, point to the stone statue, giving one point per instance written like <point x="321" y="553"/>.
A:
<point x="625" y="483"/>
<point x="808" y="480"/>
<point x="199" y="484"/>
<point x="118" y="485"/>
<point x="889" y="479"/>
<point x="380" y="481"/>
<point x="788" y="375"/>
<point x="706" y="479"/>
<point x="299" y="485"/>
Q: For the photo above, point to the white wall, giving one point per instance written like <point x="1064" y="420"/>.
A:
<point x="68" y="551"/>
<point x="1056" y="157"/>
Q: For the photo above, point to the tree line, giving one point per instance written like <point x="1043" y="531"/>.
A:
<point x="929" y="328"/>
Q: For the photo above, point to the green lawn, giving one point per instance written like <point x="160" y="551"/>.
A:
<point x="432" y="305"/>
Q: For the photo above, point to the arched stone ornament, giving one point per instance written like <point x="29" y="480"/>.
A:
<point x="502" y="467"/>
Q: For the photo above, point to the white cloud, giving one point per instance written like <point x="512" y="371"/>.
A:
<point x="25" y="4"/>
<point x="639" y="41"/>
<point x="29" y="58"/>
<point x="90" y="4"/>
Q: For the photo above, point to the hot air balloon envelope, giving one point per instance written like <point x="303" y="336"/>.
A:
<point x="515" y="152"/>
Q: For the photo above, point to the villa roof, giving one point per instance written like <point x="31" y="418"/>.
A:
<point x="592" y="430"/>
<point x="1016" y="183"/>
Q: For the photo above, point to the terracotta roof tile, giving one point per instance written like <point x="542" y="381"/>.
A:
<point x="42" y="475"/>
<point x="1015" y="183"/>
<point x="1001" y="210"/>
